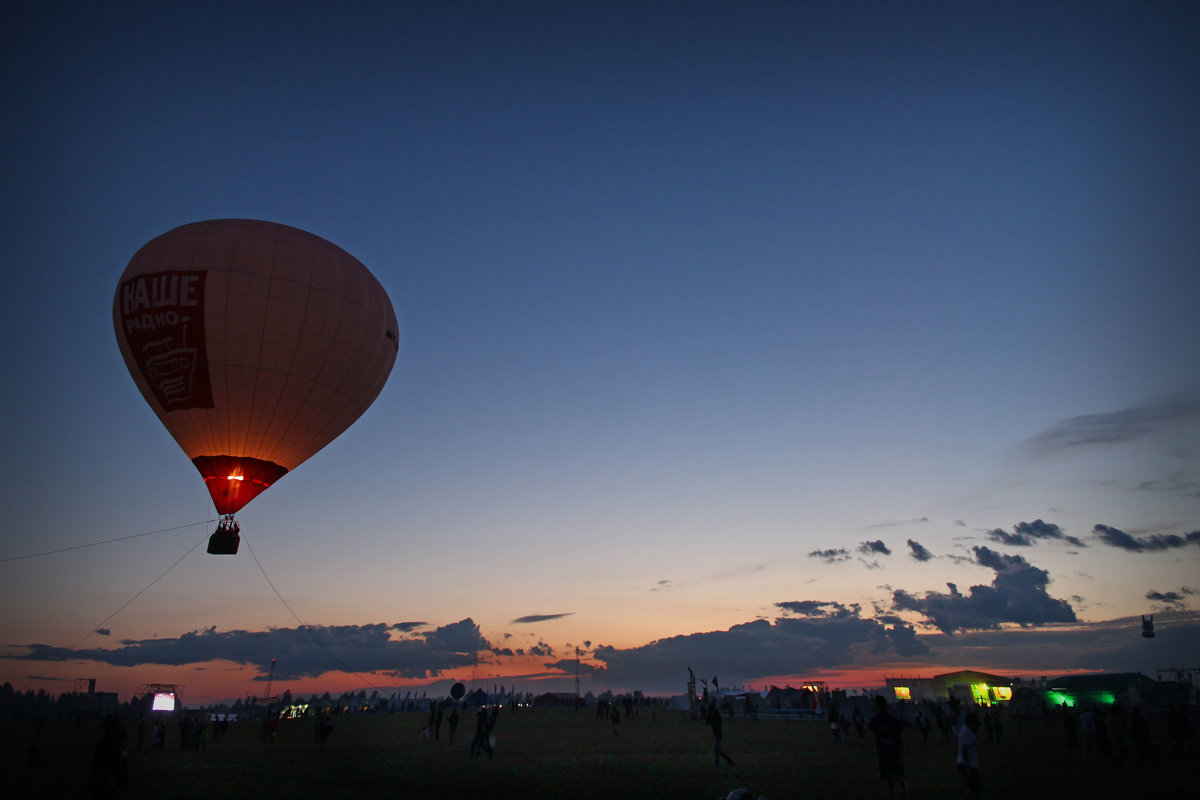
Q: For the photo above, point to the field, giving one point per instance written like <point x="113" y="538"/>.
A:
<point x="561" y="753"/>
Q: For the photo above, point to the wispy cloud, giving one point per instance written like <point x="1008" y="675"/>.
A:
<point x="1118" y="427"/>
<point x="735" y="572"/>
<point x="894" y="523"/>
<point x="532" y="618"/>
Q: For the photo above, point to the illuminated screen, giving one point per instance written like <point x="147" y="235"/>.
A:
<point x="902" y="693"/>
<point x="1003" y="693"/>
<point x="163" y="701"/>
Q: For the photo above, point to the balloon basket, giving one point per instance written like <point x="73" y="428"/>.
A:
<point x="225" y="539"/>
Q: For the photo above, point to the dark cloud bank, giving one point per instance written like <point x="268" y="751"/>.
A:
<point x="807" y="636"/>
<point x="305" y="652"/>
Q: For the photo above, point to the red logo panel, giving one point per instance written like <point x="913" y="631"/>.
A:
<point x="162" y="318"/>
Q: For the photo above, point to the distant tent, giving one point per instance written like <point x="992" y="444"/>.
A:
<point x="555" y="700"/>
<point x="791" y="698"/>
<point x="678" y="703"/>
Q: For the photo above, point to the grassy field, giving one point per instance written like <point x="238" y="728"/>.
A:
<point x="553" y="753"/>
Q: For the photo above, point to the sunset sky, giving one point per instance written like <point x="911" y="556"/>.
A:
<point x="775" y="340"/>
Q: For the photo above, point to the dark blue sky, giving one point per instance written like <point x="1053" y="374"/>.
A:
<point x="687" y="291"/>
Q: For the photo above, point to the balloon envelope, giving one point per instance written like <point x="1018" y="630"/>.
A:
<point x="255" y="343"/>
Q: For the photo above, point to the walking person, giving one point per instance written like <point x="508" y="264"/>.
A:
<point x="889" y="746"/>
<point x="324" y="729"/>
<point x="968" y="755"/>
<point x="714" y="720"/>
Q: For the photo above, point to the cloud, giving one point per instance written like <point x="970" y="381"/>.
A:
<point x="1016" y="595"/>
<point x="893" y="523"/>
<point x="1026" y="534"/>
<point x="104" y="631"/>
<point x="1116" y="645"/>
<point x="755" y="649"/>
<point x="1144" y="544"/>
<point x="736" y="572"/>
<point x="1171" y="599"/>
<point x="918" y="551"/>
<point x="570" y="665"/>
<point x="1118" y="427"/>
<point x="832" y="555"/>
<point x="303" y="652"/>
<point x="1177" y="483"/>
<point x="530" y="618"/>
<point x="541" y="650"/>
<point x="876" y="546"/>
<point x="826" y="609"/>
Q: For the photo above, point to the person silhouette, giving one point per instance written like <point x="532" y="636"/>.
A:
<point x="889" y="746"/>
<point x="714" y="720"/>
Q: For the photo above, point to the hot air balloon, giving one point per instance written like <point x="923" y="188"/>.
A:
<point x="256" y="344"/>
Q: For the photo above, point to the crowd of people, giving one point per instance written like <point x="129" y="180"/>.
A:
<point x="1115" y="733"/>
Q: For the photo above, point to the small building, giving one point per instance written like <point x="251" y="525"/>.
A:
<point x="980" y="688"/>
<point x="914" y="689"/>
<point x="968" y="685"/>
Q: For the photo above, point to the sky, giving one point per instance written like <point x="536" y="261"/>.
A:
<point x="780" y="341"/>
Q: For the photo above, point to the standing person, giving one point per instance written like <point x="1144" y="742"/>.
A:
<point x="614" y="716"/>
<point x="453" y="721"/>
<point x="427" y="731"/>
<point x="714" y="720"/>
<point x="1070" y="726"/>
<point x="35" y="746"/>
<point x="1087" y="733"/>
<point x="483" y="728"/>
<point x="923" y="724"/>
<point x="889" y="746"/>
<point x="109" y="761"/>
<point x="158" y="735"/>
<point x="835" y="727"/>
<point x="324" y="729"/>
<point x="860" y="724"/>
<point x="968" y="756"/>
